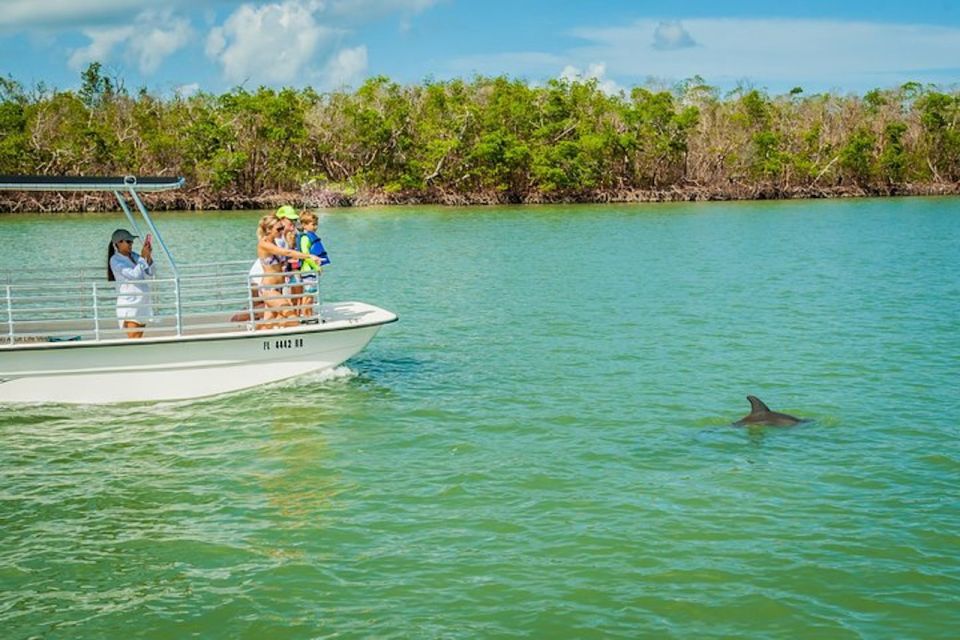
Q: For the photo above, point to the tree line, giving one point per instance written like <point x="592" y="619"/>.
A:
<point x="485" y="140"/>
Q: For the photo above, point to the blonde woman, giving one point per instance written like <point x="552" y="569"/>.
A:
<point x="273" y="258"/>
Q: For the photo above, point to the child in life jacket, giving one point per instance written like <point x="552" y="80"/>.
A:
<point x="309" y="242"/>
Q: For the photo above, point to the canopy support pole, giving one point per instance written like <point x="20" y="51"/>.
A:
<point x="163" y="245"/>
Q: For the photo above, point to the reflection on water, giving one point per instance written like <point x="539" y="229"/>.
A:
<point x="296" y="481"/>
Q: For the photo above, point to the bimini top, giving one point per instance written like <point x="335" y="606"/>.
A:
<point x="83" y="183"/>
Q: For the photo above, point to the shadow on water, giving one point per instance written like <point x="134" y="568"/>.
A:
<point x="393" y="371"/>
<point x="24" y="416"/>
<point x="375" y="366"/>
<point x="755" y="434"/>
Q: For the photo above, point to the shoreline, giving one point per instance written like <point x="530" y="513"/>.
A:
<point x="324" y="198"/>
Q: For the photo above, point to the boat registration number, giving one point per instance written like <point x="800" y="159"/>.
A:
<point x="288" y="343"/>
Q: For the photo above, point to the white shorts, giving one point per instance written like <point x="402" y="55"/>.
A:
<point x="134" y="308"/>
<point x="255" y="271"/>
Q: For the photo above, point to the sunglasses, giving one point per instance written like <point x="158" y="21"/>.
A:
<point x="127" y="241"/>
<point x="279" y="227"/>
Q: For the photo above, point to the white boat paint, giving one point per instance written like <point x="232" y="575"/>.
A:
<point x="184" y="367"/>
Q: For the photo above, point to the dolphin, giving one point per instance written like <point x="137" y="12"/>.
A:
<point x="760" y="414"/>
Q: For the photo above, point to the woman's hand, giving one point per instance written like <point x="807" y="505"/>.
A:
<point x="147" y="253"/>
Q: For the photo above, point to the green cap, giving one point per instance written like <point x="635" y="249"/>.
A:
<point x="286" y="211"/>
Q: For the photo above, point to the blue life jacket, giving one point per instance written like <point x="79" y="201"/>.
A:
<point x="309" y="242"/>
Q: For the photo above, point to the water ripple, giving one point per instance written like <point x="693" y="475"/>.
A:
<point x="537" y="449"/>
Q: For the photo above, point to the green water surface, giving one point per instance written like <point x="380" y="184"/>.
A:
<point x="540" y="448"/>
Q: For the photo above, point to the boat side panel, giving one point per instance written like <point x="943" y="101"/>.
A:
<point x="172" y="371"/>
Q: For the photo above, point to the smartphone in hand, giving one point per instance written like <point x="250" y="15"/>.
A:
<point x="148" y="241"/>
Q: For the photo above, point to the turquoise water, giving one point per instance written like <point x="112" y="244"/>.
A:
<point x="541" y="447"/>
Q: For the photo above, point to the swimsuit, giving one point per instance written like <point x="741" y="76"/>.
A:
<point x="273" y="259"/>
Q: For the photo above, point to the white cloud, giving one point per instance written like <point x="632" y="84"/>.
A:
<point x="595" y="71"/>
<point x="151" y="39"/>
<point x="275" y="43"/>
<point x="58" y="14"/>
<point x="186" y="90"/>
<point x="773" y="53"/>
<point x="367" y="9"/>
<point x="51" y="13"/>
<point x="823" y="52"/>
<point x="345" y="68"/>
<point x="216" y="42"/>
<point x="267" y="41"/>
<point x="671" y="35"/>
<point x="152" y="44"/>
<point x="102" y="43"/>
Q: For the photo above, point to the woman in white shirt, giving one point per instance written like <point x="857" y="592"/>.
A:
<point x="131" y="271"/>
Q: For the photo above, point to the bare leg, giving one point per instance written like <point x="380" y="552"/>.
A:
<point x="134" y="329"/>
<point x="307" y="303"/>
<point x="273" y="309"/>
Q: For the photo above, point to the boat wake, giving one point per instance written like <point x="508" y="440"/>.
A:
<point x="336" y="373"/>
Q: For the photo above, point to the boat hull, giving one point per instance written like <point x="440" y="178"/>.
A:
<point x="181" y="368"/>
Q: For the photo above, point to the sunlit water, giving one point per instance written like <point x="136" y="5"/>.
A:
<point x="541" y="447"/>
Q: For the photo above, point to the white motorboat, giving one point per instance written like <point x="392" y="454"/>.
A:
<point x="62" y="341"/>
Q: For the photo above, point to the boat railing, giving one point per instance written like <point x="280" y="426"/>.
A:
<point x="39" y="305"/>
<point x="201" y="299"/>
<point x="97" y="272"/>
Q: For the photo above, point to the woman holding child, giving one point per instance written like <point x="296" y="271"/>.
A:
<point x="278" y="312"/>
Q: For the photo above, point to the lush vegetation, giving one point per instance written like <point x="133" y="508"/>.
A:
<point x="488" y="140"/>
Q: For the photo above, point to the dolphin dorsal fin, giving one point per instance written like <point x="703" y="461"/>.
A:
<point x="757" y="405"/>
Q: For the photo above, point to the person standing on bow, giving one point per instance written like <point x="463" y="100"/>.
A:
<point x="285" y="239"/>
<point x="309" y="242"/>
<point x="273" y="259"/>
<point x="131" y="272"/>
<point x="290" y="219"/>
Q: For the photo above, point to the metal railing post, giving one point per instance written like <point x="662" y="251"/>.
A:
<point x="253" y="320"/>
<point x="10" y="313"/>
<point x="318" y="302"/>
<point x="96" y="314"/>
<point x="176" y="295"/>
<point x="163" y="245"/>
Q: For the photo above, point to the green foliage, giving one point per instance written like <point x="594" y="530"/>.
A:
<point x="856" y="156"/>
<point x="769" y="160"/>
<point x="658" y="135"/>
<point x="939" y="116"/>
<point x="756" y="108"/>
<point x="893" y="158"/>
<point x="496" y="136"/>
<point x="875" y="99"/>
<point x="95" y="88"/>
<point x="14" y="141"/>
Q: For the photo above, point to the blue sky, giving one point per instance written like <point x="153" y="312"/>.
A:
<point x="213" y="45"/>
